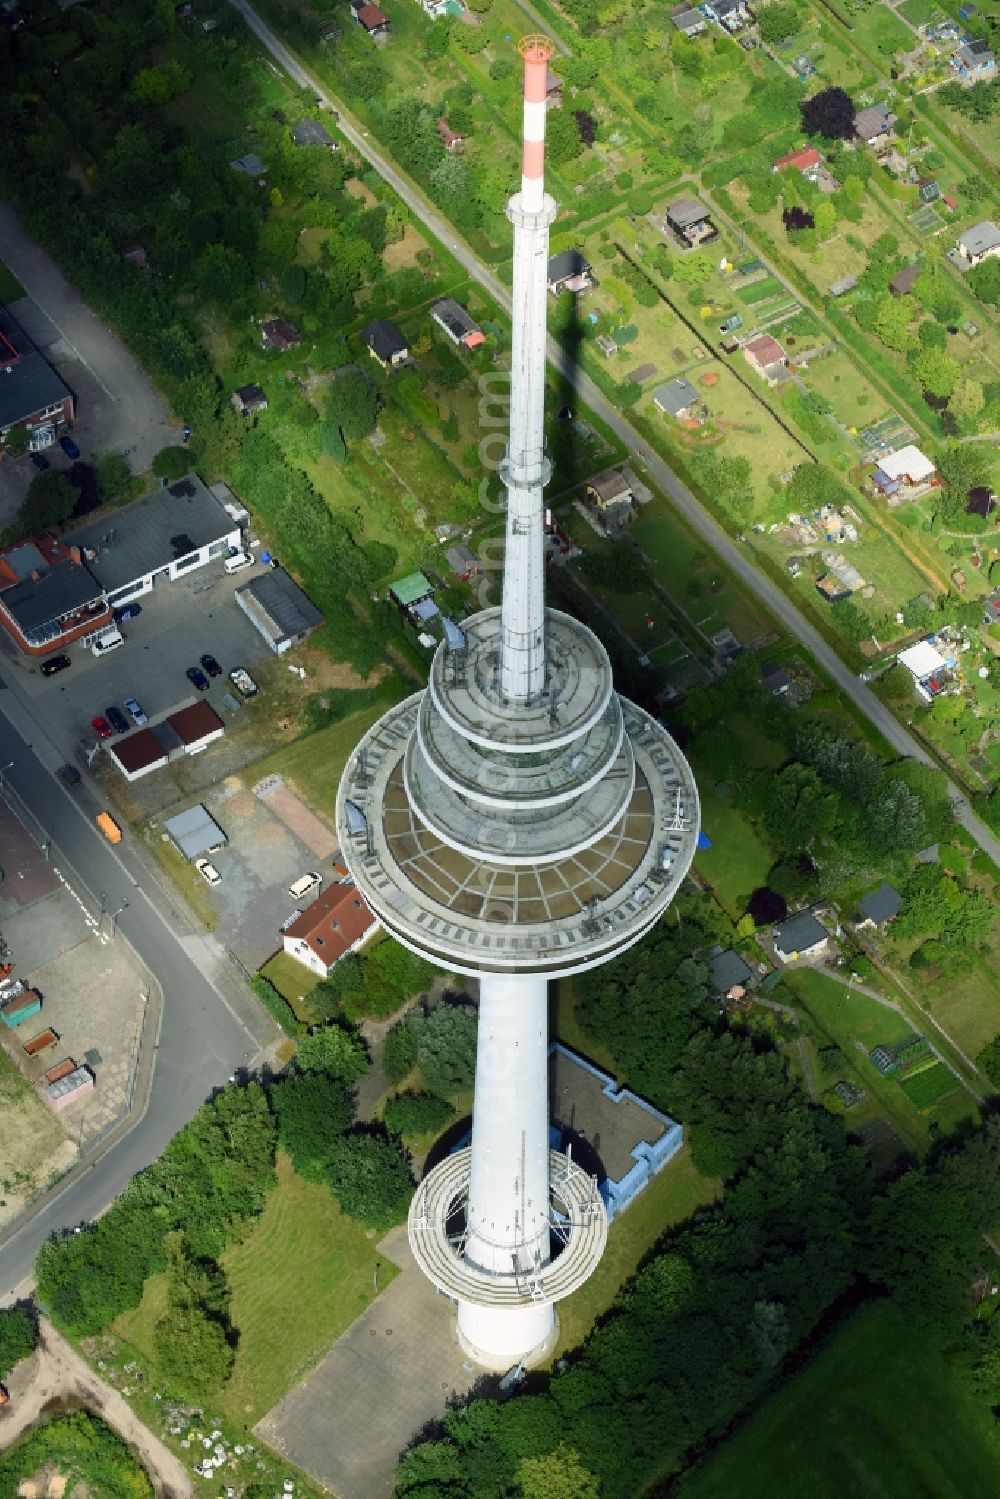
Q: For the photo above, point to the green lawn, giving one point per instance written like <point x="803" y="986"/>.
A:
<point x="301" y="1240"/>
<point x="671" y="1197"/>
<point x="10" y="288"/>
<point x="312" y="766"/>
<point x="293" y="980"/>
<point x="878" y="1414"/>
<point x="738" y="860"/>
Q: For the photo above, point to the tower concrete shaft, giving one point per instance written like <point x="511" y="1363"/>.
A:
<point x="526" y="470"/>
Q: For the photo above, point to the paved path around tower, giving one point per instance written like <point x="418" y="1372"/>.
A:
<point x="737" y="559"/>
<point x="392" y="1371"/>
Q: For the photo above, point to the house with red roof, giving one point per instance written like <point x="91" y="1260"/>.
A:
<point x="337" y="922"/>
<point x="805" y="159"/>
<point x="765" y="355"/>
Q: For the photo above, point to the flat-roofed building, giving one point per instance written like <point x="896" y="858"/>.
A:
<point x="278" y="609"/>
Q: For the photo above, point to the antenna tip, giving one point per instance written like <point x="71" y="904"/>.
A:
<point x="536" y="48"/>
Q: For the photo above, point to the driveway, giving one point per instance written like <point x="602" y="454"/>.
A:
<point x="118" y="407"/>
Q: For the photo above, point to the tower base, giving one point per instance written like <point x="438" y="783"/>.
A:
<point x="497" y="1338"/>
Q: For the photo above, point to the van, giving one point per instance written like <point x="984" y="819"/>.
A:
<point x="108" y="640"/>
<point x="109" y="827"/>
<point x="237" y="561"/>
<point x="302" y="886"/>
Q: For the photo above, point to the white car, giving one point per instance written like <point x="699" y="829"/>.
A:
<point x="237" y="561"/>
<point x="208" y="871"/>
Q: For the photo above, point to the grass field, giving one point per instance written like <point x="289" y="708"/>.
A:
<point x="926" y="1088"/>
<point x="312" y="766"/>
<point x="878" y="1414"/>
<point x="738" y="860"/>
<point x="293" y="980"/>
<point x="671" y="1197"/>
<point x="34" y="1142"/>
<point x="10" y="288"/>
<point x="301" y="1240"/>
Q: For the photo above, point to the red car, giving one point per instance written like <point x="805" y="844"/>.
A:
<point x="101" y="727"/>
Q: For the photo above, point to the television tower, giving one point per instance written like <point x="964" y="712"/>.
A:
<point x="516" y="821"/>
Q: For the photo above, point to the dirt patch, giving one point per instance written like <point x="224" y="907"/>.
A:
<point x="55" y="1373"/>
<point x="358" y="189"/>
<point x="403" y="253"/>
<point x="323" y="672"/>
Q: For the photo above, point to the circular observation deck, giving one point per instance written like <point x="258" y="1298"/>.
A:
<point x="435" y="1227"/>
<point x="501" y="906"/>
<point x="464" y="687"/>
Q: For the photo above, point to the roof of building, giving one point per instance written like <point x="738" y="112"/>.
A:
<point x="804" y="158"/>
<point x="453" y="316"/>
<point x="975" y="54"/>
<point x="903" y="280"/>
<point x="588" y="1103"/>
<point x="250" y="164"/>
<point x="384" y="338"/>
<point x="846" y="283"/>
<point x="906" y="463"/>
<point x="160" y="528"/>
<point x="675" y="396"/>
<point x="28" y="384"/>
<point x="197" y="722"/>
<point x="729" y="970"/>
<point x="251" y="396"/>
<point x="922" y="659"/>
<point x="462" y="559"/>
<point x="371" y="17"/>
<point x="775" y="677"/>
<point x="57" y="590"/>
<point x="799" y="933"/>
<point x="280" y="605"/>
<point x="766" y="350"/>
<point x="194" y="831"/>
<point x="411" y="588"/>
<point x="980" y="238"/>
<point x="872" y="121"/>
<point x="139" y="751"/>
<point x="610" y="485"/>
<point x="448" y="136"/>
<point x="685" y="18"/>
<point x="882" y="904"/>
<point x="311" y="133"/>
<point x="279" y="334"/>
<point x="336" y="920"/>
<point x="685" y="212"/>
<point x="566" y="265"/>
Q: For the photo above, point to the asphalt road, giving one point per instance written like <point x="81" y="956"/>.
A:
<point x="736" y="558"/>
<point x="202" y="1038"/>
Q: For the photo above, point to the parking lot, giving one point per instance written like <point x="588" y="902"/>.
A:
<point x="179" y="622"/>
<point x="117" y="406"/>
<point x="273" y="839"/>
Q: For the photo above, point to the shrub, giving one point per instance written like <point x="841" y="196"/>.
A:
<point x="399" y="1052"/>
<point x="370" y="1178"/>
<point x="417" y="1113"/>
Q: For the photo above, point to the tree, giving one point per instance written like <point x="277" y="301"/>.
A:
<point x="963" y="466"/>
<point x="313" y="1111"/>
<point x="352" y="404"/>
<point x="985" y="281"/>
<point x="399" y="1052"/>
<point x="193" y="1353"/>
<point x="557" y="1475"/>
<point x="937" y="371"/>
<point x="445" y="1043"/>
<point x="18" y="1335"/>
<point x="824" y="215"/>
<point x="562" y="137"/>
<point x="777" y="22"/>
<point x="113" y="475"/>
<point x="334" y="1051"/>
<point x="621" y="570"/>
<point x="417" y="1113"/>
<point x="171" y="463"/>
<point x="830" y="113"/>
<point x="370" y="1178"/>
<point x="893" y="324"/>
<point x="15" y="444"/>
<point x="50" y="501"/>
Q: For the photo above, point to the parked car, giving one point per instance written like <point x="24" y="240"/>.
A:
<point x="117" y="719"/>
<point x="136" y="712"/>
<point x="237" y="561"/>
<point x="54" y="664"/>
<point x="197" y="678"/>
<point x="40" y="461"/>
<point x="69" y="447"/>
<point x="69" y="775"/>
<point x="127" y="611"/>
<point x="211" y="666"/>
<point x="208" y="871"/>
<point x="101" y="727"/>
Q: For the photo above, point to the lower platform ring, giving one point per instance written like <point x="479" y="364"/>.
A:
<point x="580" y="1211"/>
